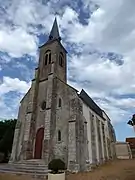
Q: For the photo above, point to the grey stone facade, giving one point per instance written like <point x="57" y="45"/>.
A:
<point x="55" y="107"/>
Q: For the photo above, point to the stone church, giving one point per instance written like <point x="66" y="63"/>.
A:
<point x="56" y="121"/>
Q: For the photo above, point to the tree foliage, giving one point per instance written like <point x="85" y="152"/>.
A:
<point x="7" y="128"/>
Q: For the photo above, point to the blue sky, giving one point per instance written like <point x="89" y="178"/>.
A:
<point x="99" y="36"/>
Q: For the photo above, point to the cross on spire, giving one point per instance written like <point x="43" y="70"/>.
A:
<point x="54" y="34"/>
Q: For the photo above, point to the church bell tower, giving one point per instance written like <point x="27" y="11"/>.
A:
<point x="52" y="58"/>
<point x="52" y="67"/>
<point x="37" y="125"/>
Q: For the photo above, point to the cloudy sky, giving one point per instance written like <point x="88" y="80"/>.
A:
<point x="99" y="36"/>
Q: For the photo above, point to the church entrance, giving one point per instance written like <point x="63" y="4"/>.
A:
<point x="38" y="143"/>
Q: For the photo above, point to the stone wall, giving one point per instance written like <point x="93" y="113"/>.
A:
<point x="53" y="67"/>
<point x="100" y="142"/>
<point x="72" y="142"/>
<point x="19" y="130"/>
<point x="61" y="119"/>
<point x="110" y="138"/>
<point x="104" y="142"/>
<point x="123" y="150"/>
<point x="93" y="139"/>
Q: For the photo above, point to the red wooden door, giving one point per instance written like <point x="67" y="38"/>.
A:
<point x="38" y="143"/>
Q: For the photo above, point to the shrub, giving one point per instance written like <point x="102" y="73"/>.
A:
<point x="55" y="165"/>
<point x="1" y="157"/>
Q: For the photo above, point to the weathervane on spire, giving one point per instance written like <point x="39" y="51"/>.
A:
<point x="56" y="13"/>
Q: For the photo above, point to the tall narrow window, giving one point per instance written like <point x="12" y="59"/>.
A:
<point x="61" y="59"/>
<point x="49" y="58"/>
<point x="59" y="102"/>
<point x="59" y="135"/>
<point x="46" y="59"/>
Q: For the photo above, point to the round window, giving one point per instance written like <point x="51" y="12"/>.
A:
<point x="43" y="105"/>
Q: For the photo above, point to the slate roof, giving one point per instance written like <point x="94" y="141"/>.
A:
<point x="92" y="105"/>
<point x="54" y="34"/>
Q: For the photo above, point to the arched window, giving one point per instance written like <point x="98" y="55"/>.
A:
<point x="59" y="135"/>
<point x="47" y="57"/>
<point x="43" y="105"/>
<point x="61" y="57"/>
<point x="59" y="102"/>
<point x="50" y="58"/>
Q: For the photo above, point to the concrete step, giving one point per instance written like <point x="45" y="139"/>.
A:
<point x="31" y="170"/>
<point x="31" y="167"/>
<point x="43" y="172"/>
<point x="30" y="162"/>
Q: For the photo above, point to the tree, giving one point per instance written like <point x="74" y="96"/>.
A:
<point x="132" y="121"/>
<point x="56" y="165"/>
<point x="7" y="128"/>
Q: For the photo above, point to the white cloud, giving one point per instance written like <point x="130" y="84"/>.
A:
<point x="9" y="110"/>
<point x="117" y="114"/>
<point x="69" y="16"/>
<point x="9" y="104"/>
<point x="17" y="42"/>
<point x="26" y="73"/>
<point x="104" y="79"/>
<point x="13" y="84"/>
<point x="117" y="109"/>
<point x="18" y="26"/>
<point x="110" y="28"/>
<point x="4" y="59"/>
<point x="20" y="23"/>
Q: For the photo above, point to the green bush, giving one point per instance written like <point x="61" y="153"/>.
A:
<point x="56" y="165"/>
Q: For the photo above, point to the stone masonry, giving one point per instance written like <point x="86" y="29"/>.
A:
<point x="52" y="121"/>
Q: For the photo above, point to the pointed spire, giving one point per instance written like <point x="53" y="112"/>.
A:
<point x="54" y="34"/>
